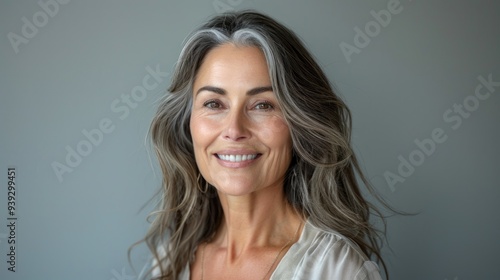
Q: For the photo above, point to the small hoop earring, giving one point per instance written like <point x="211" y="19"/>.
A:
<point x="198" y="185"/>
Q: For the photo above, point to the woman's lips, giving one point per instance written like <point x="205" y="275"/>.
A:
<point x="236" y="159"/>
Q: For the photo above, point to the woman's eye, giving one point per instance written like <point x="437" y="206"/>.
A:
<point x="264" y="106"/>
<point x="212" y="104"/>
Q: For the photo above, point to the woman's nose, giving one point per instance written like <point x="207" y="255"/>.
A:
<point x="236" y="126"/>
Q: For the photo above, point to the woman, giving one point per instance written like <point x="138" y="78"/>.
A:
<point x="258" y="173"/>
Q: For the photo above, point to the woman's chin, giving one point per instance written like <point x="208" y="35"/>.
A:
<point x="235" y="190"/>
<point x="232" y="184"/>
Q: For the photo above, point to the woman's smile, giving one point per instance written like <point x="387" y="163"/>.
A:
<point x="237" y="156"/>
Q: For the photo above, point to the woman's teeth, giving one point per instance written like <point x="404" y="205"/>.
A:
<point x="236" y="158"/>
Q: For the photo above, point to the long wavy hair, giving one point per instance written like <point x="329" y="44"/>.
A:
<point x="321" y="181"/>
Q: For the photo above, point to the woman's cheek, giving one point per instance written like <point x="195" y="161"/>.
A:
<point x="204" y="129"/>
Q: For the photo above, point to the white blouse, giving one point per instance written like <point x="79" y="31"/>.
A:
<point x="320" y="254"/>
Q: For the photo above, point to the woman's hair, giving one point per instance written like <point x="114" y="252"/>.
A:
<point x="321" y="181"/>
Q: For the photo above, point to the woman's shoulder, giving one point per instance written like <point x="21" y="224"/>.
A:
<point x="325" y="254"/>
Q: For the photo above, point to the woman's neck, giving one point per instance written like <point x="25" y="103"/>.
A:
<point x="260" y="219"/>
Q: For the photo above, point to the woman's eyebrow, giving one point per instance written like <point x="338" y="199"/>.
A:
<point x="221" y="91"/>
<point x="258" y="90"/>
<point x="212" y="89"/>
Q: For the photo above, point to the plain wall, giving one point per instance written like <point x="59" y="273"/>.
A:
<point x="405" y="82"/>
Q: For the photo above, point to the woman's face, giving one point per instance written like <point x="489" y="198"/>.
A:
<point x="241" y="140"/>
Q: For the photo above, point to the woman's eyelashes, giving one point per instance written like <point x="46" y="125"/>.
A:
<point x="264" y="106"/>
<point x="213" y="104"/>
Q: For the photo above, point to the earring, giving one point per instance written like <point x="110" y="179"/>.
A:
<point x="198" y="185"/>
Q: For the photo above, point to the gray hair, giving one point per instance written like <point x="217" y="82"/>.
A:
<point x="321" y="181"/>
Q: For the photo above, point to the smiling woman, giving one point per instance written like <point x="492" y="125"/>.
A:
<point x="258" y="173"/>
<point x="239" y="118"/>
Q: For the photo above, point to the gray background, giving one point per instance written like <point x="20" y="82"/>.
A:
<point x="72" y="73"/>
